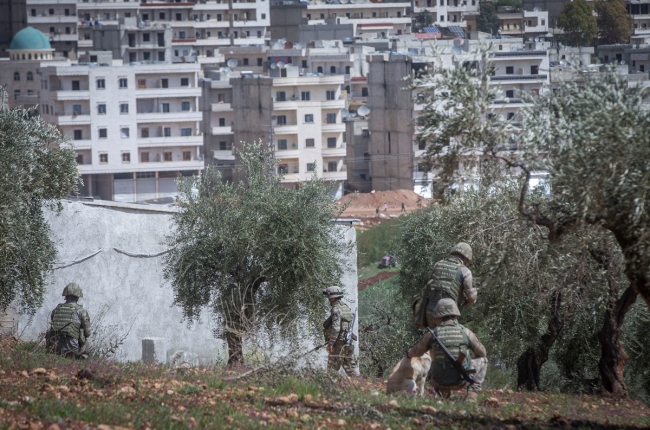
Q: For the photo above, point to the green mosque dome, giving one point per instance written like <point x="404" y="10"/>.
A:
<point x="30" y="39"/>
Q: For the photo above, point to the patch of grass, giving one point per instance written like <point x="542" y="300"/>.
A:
<point x="371" y="270"/>
<point x="189" y="389"/>
<point x="374" y="243"/>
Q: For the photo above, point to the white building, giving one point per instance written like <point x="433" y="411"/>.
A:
<point x="58" y="20"/>
<point x="447" y="12"/>
<point x="135" y="128"/>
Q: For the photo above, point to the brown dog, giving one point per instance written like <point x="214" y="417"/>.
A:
<point x="409" y="375"/>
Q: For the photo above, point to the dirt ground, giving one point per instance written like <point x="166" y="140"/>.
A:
<point x="364" y="205"/>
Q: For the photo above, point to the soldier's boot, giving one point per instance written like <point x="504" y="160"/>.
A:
<point x="472" y="397"/>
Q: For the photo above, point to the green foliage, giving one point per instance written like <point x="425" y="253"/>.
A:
<point x="635" y="334"/>
<point x="382" y="346"/>
<point x="37" y="168"/>
<point x="422" y="20"/>
<point x="254" y="248"/>
<point x="578" y="23"/>
<point x="377" y="241"/>
<point x="488" y="21"/>
<point x="512" y="3"/>
<point x="614" y="23"/>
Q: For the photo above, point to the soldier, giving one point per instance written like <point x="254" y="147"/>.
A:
<point x="70" y="325"/>
<point x="457" y="339"/>
<point x="451" y="279"/>
<point x="336" y="328"/>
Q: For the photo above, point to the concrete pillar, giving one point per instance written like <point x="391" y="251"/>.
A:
<point x="154" y="350"/>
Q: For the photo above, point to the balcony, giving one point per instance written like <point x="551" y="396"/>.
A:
<point x="334" y="152"/>
<point x="71" y="95"/>
<point x="153" y="142"/>
<point x="50" y="2"/>
<point x="332" y="127"/>
<point x="52" y="19"/>
<point x="27" y="99"/>
<point x="219" y="154"/>
<point x="143" y="117"/>
<point x="217" y="131"/>
<point x="514" y="78"/>
<point x="291" y="177"/>
<point x="221" y="107"/>
<point x="82" y="144"/>
<point x="151" y="93"/>
<point x="286" y="154"/>
<point x="69" y="119"/>
<point x="336" y="176"/>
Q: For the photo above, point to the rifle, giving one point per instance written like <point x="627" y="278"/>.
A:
<point x="457" y="362"/>
<point x="350" y="336"/>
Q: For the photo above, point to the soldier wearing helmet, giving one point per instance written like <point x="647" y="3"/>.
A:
<point x="335" y="329"/>
<point x="458" y="340"/>
<point x="70" y="325"/>
<point x="451" y="279"/>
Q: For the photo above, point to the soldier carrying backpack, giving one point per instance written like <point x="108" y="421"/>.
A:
<point x="70" y="325"/>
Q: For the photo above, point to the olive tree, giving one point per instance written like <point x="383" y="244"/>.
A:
<point x="254" y="249"/>
<point x="590" y="136"/>
<point x="37" y="168"/>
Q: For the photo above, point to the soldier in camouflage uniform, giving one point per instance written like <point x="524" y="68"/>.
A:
<point x="335" y="329"/>
<point x="451" y="279"/>
<point x="70" y="325"/>
<point x="442" y="375"/>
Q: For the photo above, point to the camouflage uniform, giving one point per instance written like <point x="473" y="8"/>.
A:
<point x="336" y="328"/>
<point x="450" y="278"/>
<point x="70" y="325"/>
<point x="457" y="339"/>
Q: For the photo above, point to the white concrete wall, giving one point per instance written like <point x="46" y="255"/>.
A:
<point x="133" y="287"/>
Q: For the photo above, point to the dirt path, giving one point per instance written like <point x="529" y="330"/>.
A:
<point x="381" y="276"/>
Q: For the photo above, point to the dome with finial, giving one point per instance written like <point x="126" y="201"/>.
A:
<point x="30" y="39"/>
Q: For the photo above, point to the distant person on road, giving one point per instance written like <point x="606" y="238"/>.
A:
<point x="403" y="207"/>
<point x="377" y="212"/>
<point x="70" y="325"/>
<point x="451" y="279"/>
<point x="385" y="206"/>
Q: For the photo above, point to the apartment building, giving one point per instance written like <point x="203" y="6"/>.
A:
<point x="58" y="20"/>
<point x="29" y="50"/>
<point x="522" y="23"/>
<point x="357" y="138"/>
<point x="447" y="12"/>
<point x="384" y="19"/>
<point x="640" y="12"/>
<point x="135" y="128"/>
<point x="12" y="19"/>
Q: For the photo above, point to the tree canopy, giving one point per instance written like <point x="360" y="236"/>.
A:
<point x="614" y="23"/>
<point x="488" y="21"/>
<point x="37" y="168"/>
<point x="422" y="20"/>
<point x="578" y="22"/>
<point x="254" y="248"/>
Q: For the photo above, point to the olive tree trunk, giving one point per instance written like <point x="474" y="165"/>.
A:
<point x="235" y="352"/>
<point x="529" y="364"/>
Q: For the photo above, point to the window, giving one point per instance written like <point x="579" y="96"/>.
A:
<point x="103" y="133"/>
<point x="33" y="12"/>
<point x="187" y="155"/>
<point x="80" y="159"/>
<point x="280" y="96"/>
<point x="126" y="157"/>
<point x="165" y="107"/>
<point x="263" y="16"/>
<point x="146" y="37"/>
<point x="164" y="83"/>
<point x="161" y="16"/>
<point x="76" y="86"/>
<point x="259" y="62"/>
<point x="304" y="95"/>
<point x="510" y="70"/>
<point x="30" y="76"/>
<point x="347" y="70"/>
<point x="331" y="142"/>
<point x="309" y="118"/>
<point x="178" y="18"/>
<point x="223" y="146"/>
<point x="331" y="94"/>
<point x="332" y="166"/>
<point x="124" y="83"/>
<point x="144" y="132"/>
<point x="282" y="120"/>
<point x="364" y="92"/>
<point x="311" y="167"/>
<point x="101" y="84"/>
<point x="16" y="94"/>
<point x="185" y="82"/>
<point x="78" y="135"/>
<point x="366" y="156"/>
<point x="543" y="22"/>
<point x="319" y="69"/>
<point x="365" y="133"/>
<point x="245" y="61"/>
<point x="511" y="115"/>
<point x="124" y="108"/>
<point x="534" y="70"/>
<point x="161" y="56"/>
<point x="142" y="84"/>
<point x="185" y="105"/>
<point x="144" y="157"/>
<point x="399" y="14"/>
<point x="309" y="143"/>
<point x="186" y="131"/>
<point x="103" y="158"/>
<point x="124" y="132"/>
<point x="362" y="176"/>
<point x="222" y="122"/>
<point x="76" y="110"/>
<point x="167" y="156"/>
<point x="282" y="144"/>
<point x="167" y="132"/>
<point x="101" y="109"/>
<point x="642" y="68"/>
<point x="331" y="118"/>
<point x="283" y="169"/>
<point x="510" y="94"/>
<point x="333" y="69"/>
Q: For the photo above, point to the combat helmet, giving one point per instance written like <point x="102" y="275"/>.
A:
<point x="446" y="308"/>
<point x="463" y="249"/>
<point x="333" y="292"/>
<point x="73" y="289"/>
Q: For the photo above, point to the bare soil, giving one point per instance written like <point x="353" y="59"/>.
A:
<point x="381" y="276"/>
<point x="364" y="205"/>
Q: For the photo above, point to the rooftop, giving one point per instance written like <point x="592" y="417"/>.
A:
<point x="30" y="39"/>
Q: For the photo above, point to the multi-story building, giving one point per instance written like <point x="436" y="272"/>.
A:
<point x="357" y="138"/>
<point x="640" y="11"/>
<point x="29" y="50"/>
<point x="135" y="128"/>
<point x="57" y="19"/>
<point x="447" y="12"/>
<point x="12" y="19"/>
<point x="384" y="19"/>
<point x="522" y="23"/>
